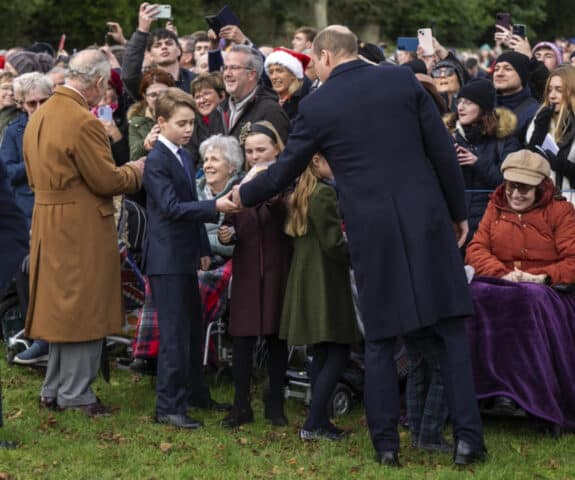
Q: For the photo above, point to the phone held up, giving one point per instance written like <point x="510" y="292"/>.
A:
<point x="425" y="37"/>
<point x="105" y="113"/>
<point x="503" y="19"/>
<point x="164" y="12"/>
<point x="520" y="30"/>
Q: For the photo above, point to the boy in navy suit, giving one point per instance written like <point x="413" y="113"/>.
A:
<point x="176" y="245"/>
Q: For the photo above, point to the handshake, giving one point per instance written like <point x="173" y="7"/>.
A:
<point x="230" y="203"/>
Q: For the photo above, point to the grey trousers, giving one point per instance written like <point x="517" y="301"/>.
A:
<point x="72" y="367"/>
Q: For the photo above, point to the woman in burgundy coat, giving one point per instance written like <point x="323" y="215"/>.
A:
<point x="260" y="264"/>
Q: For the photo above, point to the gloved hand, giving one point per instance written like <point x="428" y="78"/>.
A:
<point x="25" y="266"/>
<point x="542" y="123"/>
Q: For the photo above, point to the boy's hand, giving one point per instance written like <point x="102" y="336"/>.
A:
<point x="151" y="138"/>
<point x="146" y="15"/>
<point x="205" y="263"/>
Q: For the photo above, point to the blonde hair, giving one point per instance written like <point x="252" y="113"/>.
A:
<point x="567" y="108"/>
<point x="298" y="203"/>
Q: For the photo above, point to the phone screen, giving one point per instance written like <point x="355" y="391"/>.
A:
<point x="503" y="19"/>
<point x="105" y="113"/>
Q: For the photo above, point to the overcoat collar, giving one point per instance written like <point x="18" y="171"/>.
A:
<point x="73" y="94"/>
<point x="346" y="67"/>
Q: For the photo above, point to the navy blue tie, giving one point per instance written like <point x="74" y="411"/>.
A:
<point x="185" y="163"/>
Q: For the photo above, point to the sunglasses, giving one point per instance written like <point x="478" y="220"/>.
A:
<point x="443" y="72"/>
<point x="522" y="188"/>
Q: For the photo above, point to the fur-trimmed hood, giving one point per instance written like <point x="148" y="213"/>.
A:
<point x="506" y="122"/>
<point x="138" y="109"/>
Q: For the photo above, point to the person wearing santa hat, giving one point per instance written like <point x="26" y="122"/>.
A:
<point x="285" y="69"/>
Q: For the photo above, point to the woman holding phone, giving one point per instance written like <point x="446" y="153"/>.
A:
<point x="556" y="118"/>
<point x="483" y="137"/>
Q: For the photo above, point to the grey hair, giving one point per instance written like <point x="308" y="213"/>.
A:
<point x="254" y="62"/>
<point x="87" y="66"/>
<point x="32" y="81"/>
<point x="56" y="70"/>
<point x="229" y="148"/>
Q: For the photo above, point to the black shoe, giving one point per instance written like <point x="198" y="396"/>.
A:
<point x="321" y="434"/>
<point x="179" y="420"/>
<point x="213" y="406"/>
<point x="440" y="446"/>
<point x="505" y="406"/>
<point x="49" y="403"/>
<point x="238" y="417"/>
<point x="274" y="410"/>
<point x="388" y="458"/>
<point x="465" y="454"/>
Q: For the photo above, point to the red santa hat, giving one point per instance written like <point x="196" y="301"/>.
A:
<point x="294" y="61"/>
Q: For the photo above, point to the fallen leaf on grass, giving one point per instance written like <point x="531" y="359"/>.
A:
<point x="275" y="470"/>
<point x="136" y="378"/>
<point x="355" y="469"/>
<point x="301" y="470"/>
<point x="243" y="441"/>
<point x="18" y="414"/>
<point x="5" y="476"/>
<point x="553" y="464"/>
<point x="292" y="461"/>
<point x="165" y="447"/>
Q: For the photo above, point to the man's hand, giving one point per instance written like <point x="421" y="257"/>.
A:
<point x="233" y="33"/>
<point x="214" y="40"/>
<point x="461" y="232"/>
<point x="440" y="50"/>
<point x="502" y="35"/>
<point x="520" y="45"/>
<point x="205" y="263"/>
<point x="140" y="164"/>
<point x="106" y="50"/>
<point x="146" y="15"/>
<point x="116" y="33"/>
<point x="226" y="204"/>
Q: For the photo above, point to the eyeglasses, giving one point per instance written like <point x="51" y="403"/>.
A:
<point x="35" y="103"/>
<point x="522" y="188"/>
<point x="235" y="68"/>
<point x="443" y="72"/>
<point x="204" y="94"/>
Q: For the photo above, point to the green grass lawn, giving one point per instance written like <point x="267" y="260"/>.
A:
<point x="129" y="445"/>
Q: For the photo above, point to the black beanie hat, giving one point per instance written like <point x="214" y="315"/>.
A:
<point x="518" y="61"/>
<point x="481" y="92"/>
<point x="417" y="66"/>
<point x="371" y="52"/>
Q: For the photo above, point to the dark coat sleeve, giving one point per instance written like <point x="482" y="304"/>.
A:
<point x="538" y="75"/>
<point x="132" y="62"/>
<point x="439" y="148"/>
<point x="159" y="185"/>
<point x="488" y="167"/>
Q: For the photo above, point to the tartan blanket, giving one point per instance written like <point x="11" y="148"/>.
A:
<point x="213" y="291"/>
<point x="133" y="282"/>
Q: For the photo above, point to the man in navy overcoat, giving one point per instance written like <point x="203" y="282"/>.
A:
<point x="401" y="194"/>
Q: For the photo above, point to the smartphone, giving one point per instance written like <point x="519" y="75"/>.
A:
<point x="503" y="19"/>
<point x="519" y="29"/>
<point x="62" y="42"/>
<point x="409" y="44"/>
<point x="105" y="113"/>
<point x="164" y="12"/>
<point x="425" y="37"/>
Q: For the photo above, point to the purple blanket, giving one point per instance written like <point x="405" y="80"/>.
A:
<point x="522" y="342"/>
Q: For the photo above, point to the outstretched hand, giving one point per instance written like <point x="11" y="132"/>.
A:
<point x="461" y="232"/>
<point x="229" y="203"/>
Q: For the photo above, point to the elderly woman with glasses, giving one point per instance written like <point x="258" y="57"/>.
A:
<point x="32" y="90"/>
<point x="523" y="330"/>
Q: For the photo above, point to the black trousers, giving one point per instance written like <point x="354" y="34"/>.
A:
<point x="327" y="365"/>
<point x="381" y="395"/>
<point x="180" y="380"/>
<point x="242" y="366"/>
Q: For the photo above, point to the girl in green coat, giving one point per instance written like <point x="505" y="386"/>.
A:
<point x="318" y="306"/>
